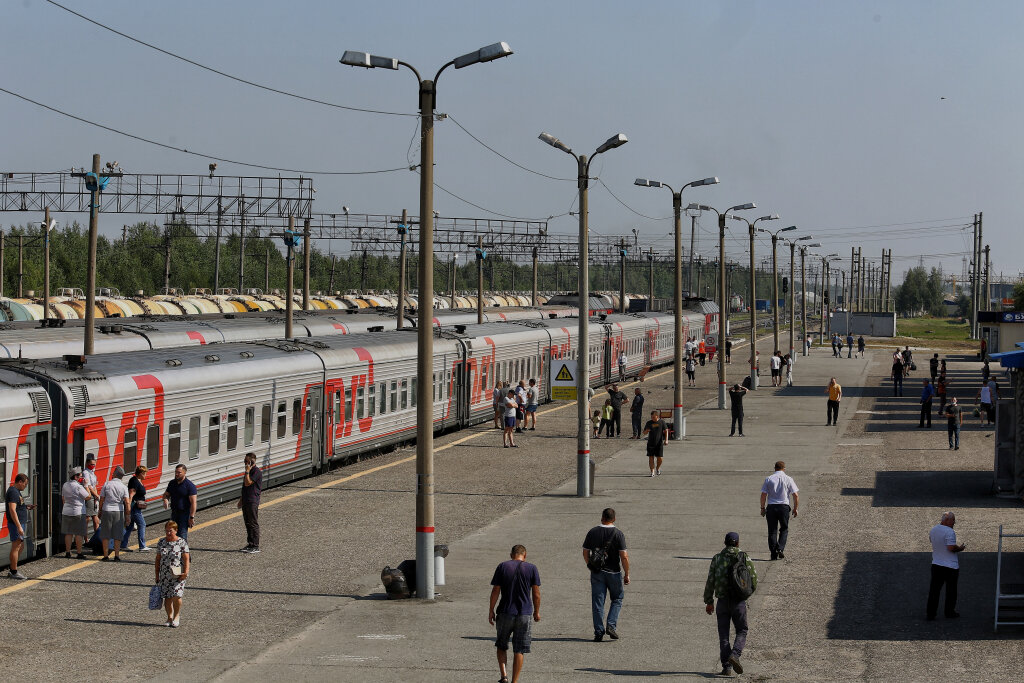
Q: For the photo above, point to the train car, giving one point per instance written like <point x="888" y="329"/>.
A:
<point x="24" y="449"/>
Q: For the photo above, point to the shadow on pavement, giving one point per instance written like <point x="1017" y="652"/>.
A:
<point x="882" y="596"/>
<point x="114" y="622"/>
<point x="639" y="672"/>
<point x="923" y="488"/>
<point x="190" y="588"/>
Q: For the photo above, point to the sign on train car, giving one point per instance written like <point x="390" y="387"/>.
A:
<point x="563" y="380"/>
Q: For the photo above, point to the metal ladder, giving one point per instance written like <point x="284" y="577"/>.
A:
<point x="1009" y="597"/>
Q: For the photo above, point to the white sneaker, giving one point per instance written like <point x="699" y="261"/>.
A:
<point x="144" y="549"/>
<point x="652" y="474"/>
<point x="659" y="472"/>
<point x="175" y="622"/>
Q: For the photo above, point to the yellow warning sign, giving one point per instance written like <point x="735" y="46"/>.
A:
<point x="564" y="375"/>
<point x="563" y="393"/>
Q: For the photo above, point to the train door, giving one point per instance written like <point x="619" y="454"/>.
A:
<point x="40" y="486"/>
<point x="313" y="427"/>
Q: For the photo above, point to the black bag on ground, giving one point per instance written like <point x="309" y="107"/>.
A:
<point x="741" y="584"/>
<point x="95" y="543"/>
<point x="395" y="584"/>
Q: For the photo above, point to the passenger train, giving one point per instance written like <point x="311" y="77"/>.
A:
<point x="300" y="404"/>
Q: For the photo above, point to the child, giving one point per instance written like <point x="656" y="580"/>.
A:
<point x="595" y="421"/>
<point x="606" y="418"/>
<point x="789" y="370"/>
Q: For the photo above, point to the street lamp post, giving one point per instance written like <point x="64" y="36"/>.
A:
<point x="752" y="228"/>
<point x="677" y="374"/>
<point x="722" y="294"/>
<point x="775" y="284"/>
<point x="582" y="355"/>
<point x="792" y="290"/>
<point x="825" y="302"/>
<point x="424" y="310"/>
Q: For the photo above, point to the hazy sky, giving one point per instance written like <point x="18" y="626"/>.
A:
<point x="828" y="113"/>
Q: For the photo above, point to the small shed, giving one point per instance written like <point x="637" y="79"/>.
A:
<point x="1009" y="441"/>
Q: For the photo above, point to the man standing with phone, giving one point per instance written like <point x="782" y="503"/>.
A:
<point x="252" y="488"/>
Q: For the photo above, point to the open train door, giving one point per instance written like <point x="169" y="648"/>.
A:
<point x="313" y="433"/>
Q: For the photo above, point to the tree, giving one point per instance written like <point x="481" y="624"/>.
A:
<point x="963" y="306"/>
<point x="921" y="292"/>
<point x="1018" y="296"/>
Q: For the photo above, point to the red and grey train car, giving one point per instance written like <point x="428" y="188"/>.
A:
<point x="298" y="404"/>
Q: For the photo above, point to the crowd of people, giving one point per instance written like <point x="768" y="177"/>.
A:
<point x="515" y="409"/>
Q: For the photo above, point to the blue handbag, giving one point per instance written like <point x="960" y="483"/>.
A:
<point x="154" y="597"/>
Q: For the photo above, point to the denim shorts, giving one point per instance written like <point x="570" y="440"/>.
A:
<point x="518" y="627"/>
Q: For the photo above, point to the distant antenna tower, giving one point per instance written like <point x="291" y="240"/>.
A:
<point x="963" y="273"/>
<point x="920" y="261"/>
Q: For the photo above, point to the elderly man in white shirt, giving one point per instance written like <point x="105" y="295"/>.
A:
<point x="945" y="566"/>
<point x="775" y="493"/>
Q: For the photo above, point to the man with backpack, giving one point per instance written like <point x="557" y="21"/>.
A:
<point x="604" y="552"/>
<point x="732" y="579"/>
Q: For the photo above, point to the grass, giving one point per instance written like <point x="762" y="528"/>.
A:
<point x="946" y="329"/>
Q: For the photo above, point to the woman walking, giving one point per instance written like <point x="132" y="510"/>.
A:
<point x="172" y="565"/>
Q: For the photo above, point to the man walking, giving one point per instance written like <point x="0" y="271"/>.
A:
<point x="636" y="412"/>
<point x="517" y="583"/>
<point x="860" y="346"/>
<point x="933" y="366"/>
<point x="945" y="566"/>
<point x="954" y="421"/>
<point x="655" y="431"/>
<point x="897" y="373"/>
<point x="617" y="398"/>
<point x="775" y="493"/>
<point x="835" y="395"/>
<point x="249" y="503"/>
<point x="849" y="344"/>
<point x="736" y="401"/>
<point x="16" y="512"/>
<point x="180" y="496"/>
<point x="732" y="603"/>
<point x="604" y="553"/>
<point x="927" y="393"/>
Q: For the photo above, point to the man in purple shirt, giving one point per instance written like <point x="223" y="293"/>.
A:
<point x="517" y="583"/>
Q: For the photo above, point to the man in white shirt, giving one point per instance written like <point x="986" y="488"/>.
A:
<point x="775" y="493"/>
<point x="776" y="365"/>
<point x="945" y="566"/>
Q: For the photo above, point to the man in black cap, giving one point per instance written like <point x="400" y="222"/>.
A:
<point x="732" y="604"/>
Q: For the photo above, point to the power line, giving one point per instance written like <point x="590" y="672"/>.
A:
<point x="224" y="74"/>
<point x="642" y="215"/>
<point x="194" y="153"/>
<point x="514" y="163"/>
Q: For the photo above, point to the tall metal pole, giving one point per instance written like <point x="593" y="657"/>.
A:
<point x="46" y="265"/>
<point x="753" y="313"/>
<point x="803" y="299"/>
<point x="1" y="262"/>
<point x="988" y="287"/>
<point x="533" y="299"/>
<point x="266" y="274"/>
<point x="306" y="249"/>
<point x="693" y="234"/>
<point x="822" y="305"/>
<point x="90" y="272"/>
<point x="792" y="300"/>
<point x="479" y="280"/>
<point x="425" y="354"/>
<point x="583" y="353"/>
<point x="289" y="302"/>
<point x="723" y="303"/>
<point x="241" y="247"/>
<point x="888" y="286"/>
<point x="167" y="259"/>
<point x="21" y="265"/>
<point x="677" y="315"/>
<point x="216" y="248"/>
<point x="402" y="230"/>
<point x="775" y="291"/>
<point x="650" y="286"/>
<point x="455" y="276"/>
<point x="622" y="276"/>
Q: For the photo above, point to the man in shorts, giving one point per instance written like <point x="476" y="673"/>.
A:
<point x="655" y="432"/>
<point x="517" y="583"/>
<point x="16" y="512"/>
<point x="91" y="483"/>
<point x="776" y="366"/>
<point x="532" y="401"/>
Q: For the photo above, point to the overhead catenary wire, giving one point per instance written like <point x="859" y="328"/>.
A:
<point x="238" y="79"/>
<point x="201" y="155"/>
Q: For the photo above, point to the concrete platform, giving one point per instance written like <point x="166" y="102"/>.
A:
<point x="847" y="602"/>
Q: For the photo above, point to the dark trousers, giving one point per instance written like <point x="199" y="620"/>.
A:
<point x="954" y="434"/>
<point x="637" y="424"/>
<point x="832" y="412"/>
<point x="849" y="350"/>
<point x="251" y="517"/>
<point x="181" y="519"/>
<point x="735" y="613"/>
<point x="778" y="528"/>
<point x="942" y="575"/>
<point x="616" y="423"/>
<point x="897" y="384"/>
<point x="942" y="403"/>
<point x="737" y="421"/>
<point x="926" y="413"/>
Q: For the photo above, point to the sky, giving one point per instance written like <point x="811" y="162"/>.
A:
<point x="871" y="124"/>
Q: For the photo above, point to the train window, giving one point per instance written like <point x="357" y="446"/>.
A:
<point x="371" y="392"/>
<point x="405" y="394"/>
<point x="282" y="419"/>
<point x="337" y="407"/>
<point x="194" y="427"/>
<point x="412" y="394"/>
<point x="348" y="404"/>
<point x="213" y="437"/>
<point x="250" y="425"/>
<point x="232" y="430"/>
<point x="174" y="441"/>
<point x="3" y="464"/>
<point x="131" y="456"/>
<point x="307" y="420"/>
<point x="152" y="446"/>
<point x="394" y="396"/>
<point x="296" y="415"/>
<point x="383" y="391"/>
<point x="265" y="423"/>
<point x="360" y="402"/>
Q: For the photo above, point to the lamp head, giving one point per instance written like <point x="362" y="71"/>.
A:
<point x="612" y="142"/>
<point x="698" y="207"/>
<point x="706" y="181"/>
<point x="484" y="54"/>
<point x="812" y="244"/>
<point x="770" y="217"/>
<point x="792" y="227"/>
<point x="743" y="207"/>
<point x="803" y="239"/>
<point x="554" y="142"/>
<point x="368" y="61"/>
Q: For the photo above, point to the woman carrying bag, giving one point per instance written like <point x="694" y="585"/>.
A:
<point x="172" y="565"/>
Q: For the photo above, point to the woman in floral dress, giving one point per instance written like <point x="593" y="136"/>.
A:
<point x="172" y="565"/>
